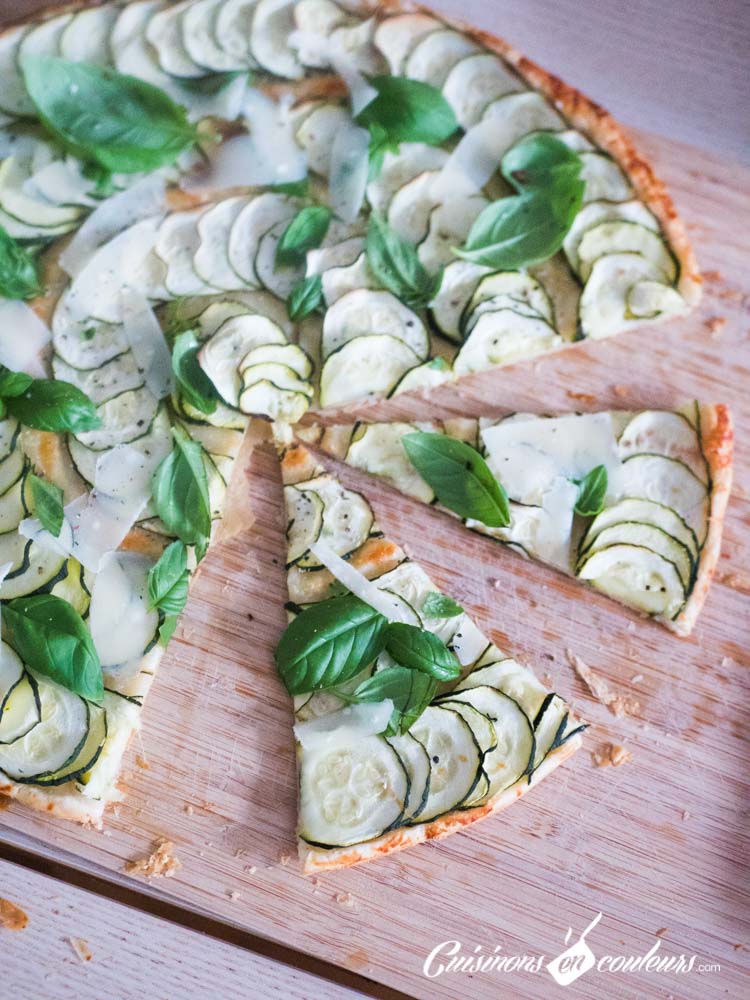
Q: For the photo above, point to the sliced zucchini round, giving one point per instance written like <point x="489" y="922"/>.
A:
<point x="551" y="727"/>
<point x="164" y="32"/>
<point x="177" y="242"/>
<point x="603" y="178"/>
<point x="518" y="286"/>
<point x="86" y="36"/>
<point x="481" y="725"/>
<point x="411" y="206"/>
<point x="411" y="160"/>
<point x="72" y="587"/>
<point x="123" y="419"/>
<point x="199" y="39"/>
<point x="666" y="481"/>
<point x="43" y="38"/>
<point x="474" y="83"/>
<point x="602" y="310"/>
<point x="646" y="536"/>
<point x="103" y="383"/>
<point x="448" y="227"/>
<point x="289" y="355"/>
<point x="638" y="577"/>
<point x="427" y="376"/>
<point x="455" y="759"/>
<point x="232" y="30"/>
<point x="279" y="280"/>
<point x="502" y="338"/>
<point x="155" y="444"/>
<point x="280" y="375"/>
<point x="265" y="399"/>
<point x="362" y="313"/>
<point x="513" y="756"/>
<point x="340" y="281"/>
<point x="651" y="299"/>
<point x="82" y="342"/>
<point x="21" y="708"/>
<point x="365" y="368"/>
<point x="510" y="677"/>
<point x="13" y="507"/>
<point x="9" y="432"/>
<point x="304" y="512"/>
<point x="331" y="258"/>
<point x="211" y="259"/>
<point x="54" y="742"/>
<point x="347" y="519"/>
<point x="597" y="212"/>
<point x="39" y="214"/>
<point x="518" y="115"/>
<point x="644" y="512"/>
<point x="432" y="58"/>
<point x="417" y="766"/>
<point x="622" y="236"/>
<point x="38" y="567"/>
<point x="396" y="37"/>
<point x="663" y="432"/>
<point x="220" y="357"/>
<point x="14" y="99"/>
<point x="460" y="279"/>
<point x="377" y="449"/>
<point x="255" y="219"/>
<point x="273" y="23"/>
<point x="11" y="468"/>
<point x="88" y="754"/>
<point x="352" y="793"/>
<point x="317" y="132"/>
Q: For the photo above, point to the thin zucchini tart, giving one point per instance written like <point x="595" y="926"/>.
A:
<point x="410" y="724"/>
<point x="630" y="503"/>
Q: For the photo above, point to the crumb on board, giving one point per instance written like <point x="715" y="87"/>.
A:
<point x="582" y="397"/>
<point x="344" y="899"/>
<point x="715" y="326"/>
<point x="141" y="762"/>
<point x="284" y="858"/>
<point x="661" y="932"/>
<point x="250" y="869"/>
<point x="685" y="814"/>
<point x="161" y="863"/>
<point x="610" y="755"/>
<point x="81" y="948"/>
<point x="12" y="917"/>
<point x="636" y="679"/>
<point x="189" y="810"/>
<point x="619" y="704"/>
<point x="234" y="895"/>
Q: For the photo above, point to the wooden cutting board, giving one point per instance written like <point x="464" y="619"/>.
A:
<point x="654" y="844"/>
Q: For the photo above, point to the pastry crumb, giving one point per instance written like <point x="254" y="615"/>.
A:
<point x="344" y="898"/>
<point x="12" y="917"/>
<point x="234" y="895"/>
<point x="685" y="814"/>
<point x="610" y="755"/>
<point x="715" y="326"/>
<point x="582" y="397"/>
<point x="189" y="810"/>
<point x="661" y="932"/>
<point x="284" y="859"/>
<point x="161" y="863"/>
<point x="619" y="704"/>
<point x="250" y="869"/>
<point x="142" y="762"/>
<point x="81" y="948"/>
<point x="636" y="679"/>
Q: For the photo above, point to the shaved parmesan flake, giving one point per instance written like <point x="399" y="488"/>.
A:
<point x="358" y="584"/>
<point x="346" y="726"/>
<point x="147" y="342"/>
<point x="326" y="52"/>
<point x="145" y="198"/>
<point x="471" y="164"/>
<point x="23" y="336"/>
<point x="121" y="624"/>
<point x="349" y="169"/>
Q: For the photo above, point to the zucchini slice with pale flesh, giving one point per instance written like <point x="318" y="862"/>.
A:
<point x="86" y="37"/>
<point x="448" y="227"/>
<point x="377" y="449"/>
<point x="280" y="280"/>
<point x="622" y="236"/>
<point x="427" y="376"/>
<point x="13" y="508"/>
<point x="597" y="212"/>
<point x="220" y="357"/>
<point x="455" y="759"/>
<point x="639" y="577"/>
<point x="211" y="258"/>
<point x="416" y="763"/>
<point x="14" y="98"/>
<point x="474" y="83"/>
<point x="154" y="445"/>
<point x="666" y="481"/>
<point x="411" y="160"/>
<point x="508" y="676"/>
<point x="662" y="432"/>
<point x="104" y="382"/>
<point x="258" y="216"/>
<point x="177" y="242"/>
<point x="347" y="519"/>
<point x="361" y="313"/>
<point x="435" y="55"/>
<point x="603" y="310"/>
<point x="232" y="30"/>
<point x="266" y="399"/>
<point x="518" y="286"/>
<point x="460" y="279"/>
<point x="647" y="536"/>
<point x="21" y="709"/>
<point x="352" y="793"/>
<point x="289" y="355"/>
<point x="340" y="281"/>
<point x="652" y="299"/>
<point x="603" y="178"/>
<point x="39" y="565"/>
<point x="304" y="512"/>
<point x="365" y="368"/>
<point x="31" y="211"/>
<point x="396" y="37"/>
<point x="88" y="754"/>
<point x="481" y="725"/>
<point x="316" y="135"/>
<point x="273" y="24"/>
<point x="199" y="40"/>
<point x="164" y="32"/>
<point x="123" y="419"/>
<point x="502" y="338"/>
<point x="644" y="512"/>
<point x="278" y="374"/>
<point x="411" y="206"/>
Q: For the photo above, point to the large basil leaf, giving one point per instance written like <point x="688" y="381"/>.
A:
<point x="329" y="643"/>
<point x="306" y="297"/>
<point x="395" y="264"/>
<point x="47" y="499"/>
<point x="18" y="274"/>
<point x="124" y="124"/>
<point x="407" y="111"/>
<point x="410" y="691"/>
<point x="51" y="637"/>
<point x="538" y="159"/>
<point x="592" y="490"/>
<point x="180" y="491"/>
<point x="168" y="580"/>
<point x="460" y="477"/>
<point x="305" y="232"/>
<point x="196" y="388"/>
<point x="418" y="649"/>
<point x="50" y="405"/>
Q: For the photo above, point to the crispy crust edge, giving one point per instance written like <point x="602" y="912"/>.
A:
<point x="717" y="439"/>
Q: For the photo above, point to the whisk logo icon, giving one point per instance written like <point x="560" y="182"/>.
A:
<point x="575" y="960"/>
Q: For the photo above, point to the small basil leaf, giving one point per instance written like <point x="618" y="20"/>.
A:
<point x="180" y="492"/>
<point x="50" y="405"/>
<point x="212" y="84"/>
<point x="52" y="638"/>
<point x="196" y="388"/>
<point x="305" y="232"/>
<point x="306" y="297"/>
<point x="47" y="499"/>
<point x="297" y="189"/>
<point x="168" y="580"/>
<point x="592" y="490"/>
<point x="395" y="264"/>
<point x="408" y="111"/>
<point x="414" y="647"/>
<point x="526" y="229"/>
<point x="437" y="605"/>
<point x="18" y="274"/>
<point x="329" y="643"/>
<point x="460" y="477"/>
<point x="119" y="122"/>
<point x="166" y="629"/>
<point x="13" y="383"/>
<point x="410" y="691"/>
<point x="538" y="158"/>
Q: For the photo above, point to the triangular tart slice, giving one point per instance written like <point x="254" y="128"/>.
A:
<point x="479" y="741"/>
<point x="647" y="533"/>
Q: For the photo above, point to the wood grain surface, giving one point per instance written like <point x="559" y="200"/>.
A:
<point x="655" y="844"/>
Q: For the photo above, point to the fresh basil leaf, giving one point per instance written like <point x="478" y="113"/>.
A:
<point x="305" y="232"/>
<point x="306" y="297"/>
<point x="592" y="490"/>
<point x="524" y="229"/>
<point x="18" y="274"/>
<point x="51" y="637"/>
<point x="180" y="492"/>
<point x="460" y="477"/>
<point x="119" y="122"/>
<point x="51" y="405"/>
<point x="379" y="146"/>
<point x="167" y="627"/>
<point x="437" y="605"/>
<point x="168" y="580"/>
<point x="329" y="643"/>
<point x="410" y="691"/>
<point x="539" y="159"/>
<point x="414" y="647"/>
<point x="47" y="499"/>
<point x="297" y="189"/>
<point x="212" y="84"/>
<point x="395" y="264"/>
<point x="408" y="111"/>
<point x="13" y="383"/>
<point x="196" y="388"/>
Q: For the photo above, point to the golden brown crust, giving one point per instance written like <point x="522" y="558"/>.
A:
<point x="717" y="439"/>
